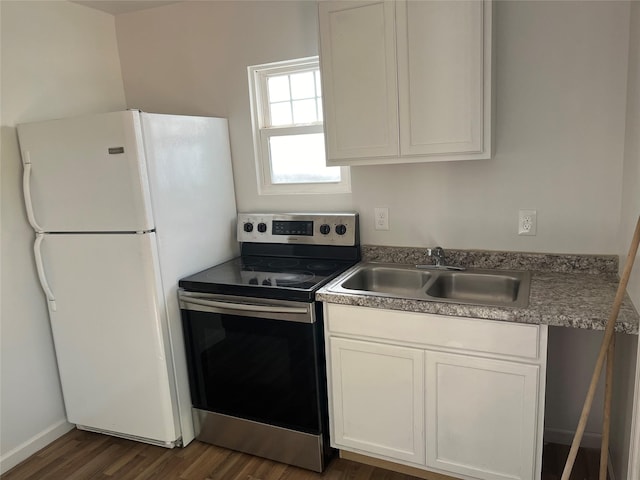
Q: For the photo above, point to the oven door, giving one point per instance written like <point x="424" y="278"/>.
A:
<point x="256" y="359"/>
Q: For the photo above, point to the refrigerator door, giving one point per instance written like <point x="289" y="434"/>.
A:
<point x="86" y="174"/>
<point x="191" y="183"/>
<point x="110" y="333"/>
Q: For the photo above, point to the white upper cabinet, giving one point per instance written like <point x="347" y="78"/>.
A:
<point x="358" y="68"/>
<point x="406" y="81"/>
<point x="440" y="52"/>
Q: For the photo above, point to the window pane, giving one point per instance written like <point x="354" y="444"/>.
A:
<point x="300" y="159"/>
<point x="303" y="85"/>
<point x="318" y="84"/>
<point x="304" y="111"/>
<point x="280" y="114"/>
<point x="320" y="114"/>
<point x="278" y="88"/>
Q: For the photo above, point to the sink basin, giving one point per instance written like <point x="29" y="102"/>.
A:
<point x="389" y="280"/>
<point x="484" y="288"/>
<point x="475" y="287"/>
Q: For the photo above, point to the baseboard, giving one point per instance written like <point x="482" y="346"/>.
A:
<point x="34" y="444"/>
<point x="565" y="437"/>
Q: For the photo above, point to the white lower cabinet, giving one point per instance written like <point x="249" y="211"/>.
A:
<point x="481" y="416"/>
<point x="420" y="390"/>
<point x="377" y="398"/>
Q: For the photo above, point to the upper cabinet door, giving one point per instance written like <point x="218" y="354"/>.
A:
<point x="358" y="64"/>
<point x="406" y="80"/>
<point x="86" y="174"/>
<point x="440" y="76"/>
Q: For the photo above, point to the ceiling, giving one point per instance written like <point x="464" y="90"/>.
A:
<point x="116" y="7"/>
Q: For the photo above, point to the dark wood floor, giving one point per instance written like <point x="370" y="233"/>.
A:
<point x="586" y="466"/>
<point x="80" y="455"/>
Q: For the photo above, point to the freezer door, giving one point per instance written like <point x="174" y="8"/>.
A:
<point x="86" y="174"/>
<point x="110" y="335"/>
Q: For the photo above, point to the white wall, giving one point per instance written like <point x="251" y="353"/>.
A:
<point x="58" y="59"/>
<point x="561" y="89"/>
<point x="571" y="357"/>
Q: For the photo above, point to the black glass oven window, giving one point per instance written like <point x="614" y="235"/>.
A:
<point x="258" y="369"/>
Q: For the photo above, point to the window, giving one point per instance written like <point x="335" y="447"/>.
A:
<point x="288" y="135"/>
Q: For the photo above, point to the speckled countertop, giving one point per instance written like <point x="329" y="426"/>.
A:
<point x="566" y="290"/>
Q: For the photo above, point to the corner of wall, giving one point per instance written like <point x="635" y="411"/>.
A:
<point x="625" y="444"/>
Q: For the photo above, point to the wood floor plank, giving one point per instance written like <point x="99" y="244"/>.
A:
<point x="86" y="447"/>
<point x="156" y="466"/>
<point x="227" y="467"/>
<point x="267" y="470"/>
<point x="130" y="469"/>
<point x="81" y="455"/>
<point x="130" y="450"/>
<point x="39" y="462"/>
<point x="592" y="460"/>
<point x="97" y="463"/>
<point x="204" y="464"/>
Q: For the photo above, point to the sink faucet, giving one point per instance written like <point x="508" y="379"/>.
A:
<point x="440" y="263"/>
<point x="438" y="256"/>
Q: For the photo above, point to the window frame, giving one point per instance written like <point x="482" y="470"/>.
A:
<point x="260" y="116"/>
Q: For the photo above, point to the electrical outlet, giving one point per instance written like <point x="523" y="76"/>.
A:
<point x="381" y="218"/>
<point x="527" y="222"/>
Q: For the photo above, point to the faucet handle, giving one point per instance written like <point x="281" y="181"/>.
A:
<point x="438" y="255"/>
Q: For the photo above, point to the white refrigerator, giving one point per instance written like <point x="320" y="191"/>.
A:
<point x="124" y="204"/>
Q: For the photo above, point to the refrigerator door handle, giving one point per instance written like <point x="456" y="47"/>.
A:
<point x="37" y="253"/>
<point x="26" y="187"/>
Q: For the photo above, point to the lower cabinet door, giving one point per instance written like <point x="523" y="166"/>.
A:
<point x="378" y="399"/>
<point x="481" y="416"/>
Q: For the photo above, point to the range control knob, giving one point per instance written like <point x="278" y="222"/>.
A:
<point x="325" y="229"/>
<point x="248" y="227"/>
<point x="262" y="227"/>
<point x="341" y="229"/>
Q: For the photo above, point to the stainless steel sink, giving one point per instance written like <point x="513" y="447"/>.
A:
<point x="491" y="288"/>
<point x="388" y="280"/>
<point x="475" y="287"/>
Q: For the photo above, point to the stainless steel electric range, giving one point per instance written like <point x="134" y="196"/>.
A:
<point x="254" y="336"/>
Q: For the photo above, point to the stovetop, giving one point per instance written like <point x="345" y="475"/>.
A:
<point x="285" y="256"/>
<point x="283" y="278"/>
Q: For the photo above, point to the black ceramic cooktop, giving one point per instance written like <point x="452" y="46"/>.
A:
<point x="282" y="278"/>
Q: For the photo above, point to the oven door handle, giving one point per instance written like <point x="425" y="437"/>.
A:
<point x="241" y="306"/>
